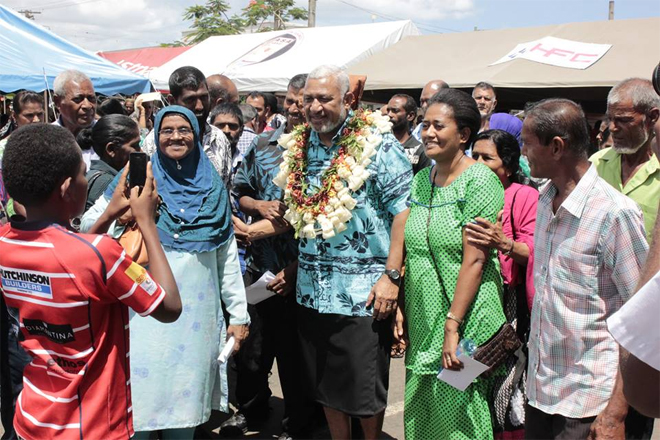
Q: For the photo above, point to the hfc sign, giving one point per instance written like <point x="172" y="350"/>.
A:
<point x="558" y="52"/>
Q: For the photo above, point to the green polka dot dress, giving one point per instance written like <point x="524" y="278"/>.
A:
<point x="433" y="409"/>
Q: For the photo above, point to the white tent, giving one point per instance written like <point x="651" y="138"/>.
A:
<point x="463" y="59"/>
<point x="266" y="61"/>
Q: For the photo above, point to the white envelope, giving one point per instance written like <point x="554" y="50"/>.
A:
<point x="461" y="379"/>
<point x="257" y="292"/>
<point x="229" y="348"/>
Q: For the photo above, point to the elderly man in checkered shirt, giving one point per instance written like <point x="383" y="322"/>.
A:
<point x="590" y="246"/>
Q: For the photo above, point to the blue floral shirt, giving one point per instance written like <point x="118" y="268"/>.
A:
<point x="336" y="275"/>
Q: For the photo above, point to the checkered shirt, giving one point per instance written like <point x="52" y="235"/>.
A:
<point x="245" y="141"/>
<point x="587" y="261"/>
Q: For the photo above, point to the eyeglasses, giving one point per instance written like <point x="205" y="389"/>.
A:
<point x="169" y="132"/>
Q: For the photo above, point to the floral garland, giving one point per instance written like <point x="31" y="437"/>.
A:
<point x="331" y="204"/>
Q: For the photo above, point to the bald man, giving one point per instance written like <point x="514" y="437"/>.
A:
<point x="431" y="88"/>
<point x="221" y="89"/>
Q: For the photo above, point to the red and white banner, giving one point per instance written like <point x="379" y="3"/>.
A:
<point x="558" y="52"/>
<point x="143" y="61"/>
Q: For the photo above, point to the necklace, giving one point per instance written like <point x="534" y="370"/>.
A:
<point x="326" y="210"/>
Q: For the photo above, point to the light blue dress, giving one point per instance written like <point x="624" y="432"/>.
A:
<point x="175" y="376"/>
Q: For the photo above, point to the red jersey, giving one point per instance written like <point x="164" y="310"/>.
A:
<point x="72" y="292"/>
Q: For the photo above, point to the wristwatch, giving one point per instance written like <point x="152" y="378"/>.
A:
<point x="394" y="275"/>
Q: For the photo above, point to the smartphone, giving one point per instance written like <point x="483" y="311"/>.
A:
<point x="137" y="175"/>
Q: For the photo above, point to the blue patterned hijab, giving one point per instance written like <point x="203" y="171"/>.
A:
<point x="195" y="215"/>
<point x="183" y="184"/>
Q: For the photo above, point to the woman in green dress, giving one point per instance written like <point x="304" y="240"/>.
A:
<point x="453" y="289"/>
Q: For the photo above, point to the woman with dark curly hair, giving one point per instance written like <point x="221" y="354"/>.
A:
<point x="512" y="235"/>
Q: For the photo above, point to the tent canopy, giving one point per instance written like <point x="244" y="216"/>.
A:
<point x="32" y="56"/>
<point x="267" y="61"/>
<point x="463" y="59"/>
<point x="143" y="60"/>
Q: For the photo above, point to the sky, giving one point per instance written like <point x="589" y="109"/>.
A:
<point x="99" y="25"/>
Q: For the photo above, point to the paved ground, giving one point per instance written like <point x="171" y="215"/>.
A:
<point x="393" y="427"/>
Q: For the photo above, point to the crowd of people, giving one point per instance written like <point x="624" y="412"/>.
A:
<point x="385" y="237"/>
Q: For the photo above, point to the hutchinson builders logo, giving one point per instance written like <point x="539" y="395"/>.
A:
<point x="29" y="283"/>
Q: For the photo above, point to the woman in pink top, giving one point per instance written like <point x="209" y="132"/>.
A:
<point x="513" y="236"/>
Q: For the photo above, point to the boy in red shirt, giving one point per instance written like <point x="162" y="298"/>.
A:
<point x="73" y="291"/>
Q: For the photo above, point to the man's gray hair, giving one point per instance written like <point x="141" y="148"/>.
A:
<point x="59" y="85"/>
<point x="249" y="112"/>
<point x="331" y="70"/>
<point x="641" y="92"/>
<point x="484" y="86"/>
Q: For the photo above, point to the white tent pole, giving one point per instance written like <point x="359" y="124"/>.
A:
<point x="48" y="98"/>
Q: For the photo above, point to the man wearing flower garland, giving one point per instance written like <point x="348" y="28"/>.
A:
<point x="346" y="183"/>
<point x="274" y="329"/>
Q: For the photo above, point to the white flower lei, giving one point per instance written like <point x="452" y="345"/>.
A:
<point x="327" y="212"/>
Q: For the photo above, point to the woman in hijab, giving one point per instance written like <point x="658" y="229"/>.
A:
<point x="175" y="377"/>
<point x="512" y="235"/>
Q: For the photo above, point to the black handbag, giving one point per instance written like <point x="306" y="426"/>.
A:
<point x="498" y="348"/>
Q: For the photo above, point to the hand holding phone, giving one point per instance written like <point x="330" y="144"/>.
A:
<point x="119" y="202"/>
